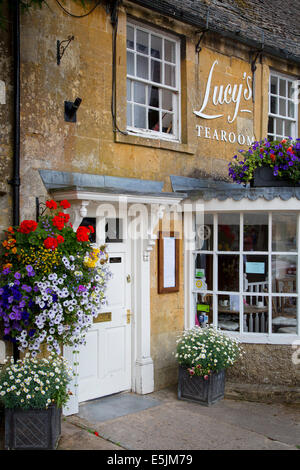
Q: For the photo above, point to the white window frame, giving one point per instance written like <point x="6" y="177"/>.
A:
<point x="288" y="78"/>
<point x="176" y="136"/>
<point x="191" y="296"/>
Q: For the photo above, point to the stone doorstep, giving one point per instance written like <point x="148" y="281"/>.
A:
<point x="264" y="393"/>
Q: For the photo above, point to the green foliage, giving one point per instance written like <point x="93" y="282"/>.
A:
<point x="35" y="383"/>
<point x="206" y="350"/>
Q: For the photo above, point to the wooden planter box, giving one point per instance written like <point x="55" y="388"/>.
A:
<point x="32" y="429"/>
<point x="197" y="389"/>
<point x="263" y="177"/>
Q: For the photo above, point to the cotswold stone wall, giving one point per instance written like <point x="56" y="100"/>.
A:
<point x="6" y="123"/>
<point x="267" y="364"/>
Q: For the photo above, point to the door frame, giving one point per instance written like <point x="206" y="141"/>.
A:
<point x="84" y="204"/>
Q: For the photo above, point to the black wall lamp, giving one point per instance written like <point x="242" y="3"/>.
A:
<point x="71" y="109"/>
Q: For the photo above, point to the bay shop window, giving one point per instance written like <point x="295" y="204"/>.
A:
<point x="245" y="273"/>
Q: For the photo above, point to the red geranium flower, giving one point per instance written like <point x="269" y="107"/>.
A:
<point x="82" y="234"/>
<point x="66" y="217"/>
<point x="51" y="243"/>
<point x="272" y="156"/>
<point x="58" y="222"/>
<point x="65" y="204"/>
<point x="28" y="226"/>
<point x="91" y="228"/>
<point x="51" y="204"/>
<point x="60" y="239"/>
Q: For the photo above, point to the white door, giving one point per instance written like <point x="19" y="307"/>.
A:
<point x="105" y="360"/>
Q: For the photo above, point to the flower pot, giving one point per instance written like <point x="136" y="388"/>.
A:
<point x="196" y="389"/>
<point x="263" y="177"/>
<point x="32" y="429"/>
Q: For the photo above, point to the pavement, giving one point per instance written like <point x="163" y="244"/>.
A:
<point x="160" y="421"/>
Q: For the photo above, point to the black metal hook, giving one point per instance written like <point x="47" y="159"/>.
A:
<point x="60" y="49"/>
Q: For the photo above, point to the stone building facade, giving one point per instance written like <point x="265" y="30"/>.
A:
<point x="164" y="108"/>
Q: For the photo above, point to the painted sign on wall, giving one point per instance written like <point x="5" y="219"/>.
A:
<point x="230" y="99"/>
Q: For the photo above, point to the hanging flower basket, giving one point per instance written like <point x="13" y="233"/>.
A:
<point x="264" y="177"/>
<point x="52" y="282"/>
<point x="275" y="163"/>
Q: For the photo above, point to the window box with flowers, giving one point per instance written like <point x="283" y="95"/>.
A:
<point x="203" y="354"/>
<point x="275" y="163"/>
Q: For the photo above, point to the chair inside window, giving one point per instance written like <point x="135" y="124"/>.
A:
<point x="284" y="314"/>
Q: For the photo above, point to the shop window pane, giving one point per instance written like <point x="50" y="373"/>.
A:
<point x="284" y="232"/>
<point x="204" y="270"/>
<point x="130" y="37"/>
<point x="228" y="232"/>
<point x="255" y="273"/>
<point x="256" y="314"/>
<point x="140" y="117"/>
<point x="142" y="39"/>
<point x="130" y="63"/>
<point x="274" y="85"/>
<point x="228" y="273"/>
<point x="169" y="51"/>
<point x="167" y="123"/>
<point x="284" y="315"/>
<point x="256" y="232"/>
<point x="142" y="66"/>
<point x="156" y="47"/>
<point x="229" y="312"/>
<point x="205" y="232"/>
<point x="284" y="274"/>
<point x="153" y="119"/>
<point x="204" y="307"/>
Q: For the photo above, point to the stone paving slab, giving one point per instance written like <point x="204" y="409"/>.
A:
<point x="74" y="437"/>
<point x="181" y="425"/>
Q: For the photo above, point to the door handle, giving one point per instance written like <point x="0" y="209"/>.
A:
<point x="128" y="278"/>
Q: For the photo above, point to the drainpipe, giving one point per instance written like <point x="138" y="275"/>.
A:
<point x="15" y="182"/>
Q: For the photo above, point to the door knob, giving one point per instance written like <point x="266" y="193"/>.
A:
<point x="128" y="278"/>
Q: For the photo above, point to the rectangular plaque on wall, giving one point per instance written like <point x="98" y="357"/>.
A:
<point x="168" y="262"/>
